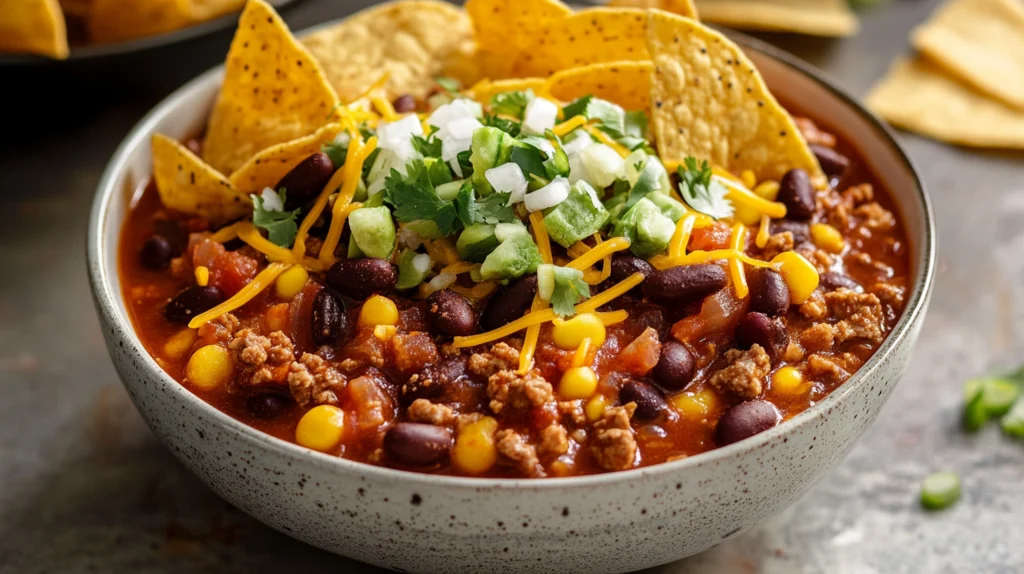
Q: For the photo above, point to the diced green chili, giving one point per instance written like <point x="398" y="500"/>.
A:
<point x="940" y="490"/>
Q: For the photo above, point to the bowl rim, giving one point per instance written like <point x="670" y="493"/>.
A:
<point x="924" y="266"/>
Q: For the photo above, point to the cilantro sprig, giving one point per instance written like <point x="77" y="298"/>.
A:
<point x="280" y="225"/>
<point x="511" y="103"/>
<point x="626" y="128"/>
<point x="700" y="191"/>
<point x="569" y="289"/>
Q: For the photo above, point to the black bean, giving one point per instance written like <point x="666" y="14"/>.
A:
<point x="769" y="293"/>
<point x="833" y="163"/>
<point x="510" y="303"/>
<point x="746" y="420"/>
<point x="156" y="252"/>
<point x="268" y="405"/>
<point x="800" y="229"/>
<point x="625" y="265"/>
<point x="404" y="104"/>
<point x="192" y="301"/>
<point x="831" y="281"/>
<point x="760" y="329"/>
<point x="329" y="320"/>
<point x="417" y="444"/>
<point x="306" y="180"/>
<point x="360" y="278"/>
<point x="451" y="313"/>
<point x="797" y="194"/>
<point x="173" y="233"/>
<point x="676" y="366"/>
<point x="649" y="402"/>
<point x="684" y="283"/>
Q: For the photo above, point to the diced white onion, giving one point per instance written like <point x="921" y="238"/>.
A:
<point x="455" y="110"/>
<point x="271" y="200"/>
<point x="343" y="138"/>
<point x="508" y="178"/>
<point x="637" y="157"/>
<point x="603" y="165"/>
<point x="422" y="263"/>
<point x="409" y="238"/>
<point x="457" y="137"/>
<point x="548" y="196"/>
<point x="375" y="187"/>
<point x="540" y="115"/>
<point x="578" y="143"/>
<point x="397" y="135"/>
<point x="440" y="281"/>
<point x="577" y="169"/>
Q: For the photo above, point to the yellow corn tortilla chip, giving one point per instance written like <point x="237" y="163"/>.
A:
<point x="811" y="17"/>
<point x="710" y="102"/>
<point x="189" y="185"/>
<point x="116" y="20"/>
<point x="410" y="41"/>
<point x="34" y="27"/>
<point x="500" y="28"/>
<point x="681" y="7"/>
<point x="267" y="167"/>
<point x="625" y="83"/>
<point x="919" y="96"/>
<point x="982" y="43"/>
<point x="590" y="36"/>
<point x="274" y="91"/>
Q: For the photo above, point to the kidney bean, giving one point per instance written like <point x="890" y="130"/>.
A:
<point x="306" y="180"/>
<point x="833" y="163"/>
<point x="417" y="444"/>
<point x="329" y="320"/>
<point x="192" y="301"/>
<point x="156" y="252"/>
<point x="801" y="230"/>
<point x="746" y="420"/>
<point x="404" y="104"/>
<point x="797" y="194"/>
<point x="451" y="313"/>
<point x="759" y="329"/>
<point x="510" y="303"/>
<point x="832" y="281"/>
<point x="684" y="283"/>
<point x="623" y="266"/>
<point x="769" y="293"/>
<point x="654" y="318"/>
<point x="676" y="366"/>
<point x="649" y="402"/>
<point x="360" y="278"/>
<point x="268" y="405"/>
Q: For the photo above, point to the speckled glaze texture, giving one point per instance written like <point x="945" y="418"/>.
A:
<point x="420" y="523"/>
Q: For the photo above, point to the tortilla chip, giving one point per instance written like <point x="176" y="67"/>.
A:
<point x="188" y="185"/>
<point x="483" y="91"/>
<point x="274" y="91"/>
<point x="811" y="17"/>
<point x="267" y="167"/>
<point x="411" y="41"/>
<point x="625" y="83"/>
<point x="710" y="102"/>
<point x="917" y="95"/>
<point x="500" y="29"/>
<point x="590" y="36"/>
<point x="982" y="43"/>
<point x="681" y="7"/>
<point x="117" y="20"/>
<point x="34" y="27"/>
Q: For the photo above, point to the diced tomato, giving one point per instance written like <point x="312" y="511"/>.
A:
<point x="370" y="404"/>
<point x="718" y="314"/>
<point x="641" y="355"/>
<point x="229" y="270"/>
<point x="710" y="238"/>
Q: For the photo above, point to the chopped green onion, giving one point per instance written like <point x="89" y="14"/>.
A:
<point x="1013" y="421"/>
<point x="998" y="396"/>
<point x="975" y="414"/>
<point x="940" y="490"/>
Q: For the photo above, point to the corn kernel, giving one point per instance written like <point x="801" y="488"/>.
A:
<point x="321" y="428"/>
<point x="202" y="276"/>
<point x="578" y="383"/>
<point x="210" y="367"/>
<point x="746" y="215"/>
<point x="788" y="381"/>
<point x="595" y="407"/>
<point x="748" y="178"/>
<point x="291" y="282"/>
<point x="767" y="189"/>
<point x="801" y="277"/>
<point x="827" y="237"/>
<point x="378" y="310"/>
<point x="695" y="405"/>
<point x="179" y="343"/>
<point x="569" y="334"/>
<point x="384" y="332"/>
<point x="474" y="451"/>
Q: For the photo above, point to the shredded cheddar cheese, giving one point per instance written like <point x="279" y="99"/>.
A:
<point x="582" y="355"/>
<point x="740" y="195"/>
<point x="612" y="317"/>
<point x="569" y="125"/>
<point x="460" y="267"/>
<point x="540" y="232"/>
<point x="299" y="247"/>
<point x="262" y="280"/>
<point x="739" y="280"/>
<point x="761" y="239"/>
<point x="614" y="292"/>
<point x="607" y="140"/>
<point x="348" y="189"/>
<point x="599" y="252"/>
<point x="478" y="291"/>
<point x="532" y="318"/>
<point x="274" y="252"/>
<point x="681" y="237"/>
<point x="227" y="233"/>
<point x="384" y="108"/>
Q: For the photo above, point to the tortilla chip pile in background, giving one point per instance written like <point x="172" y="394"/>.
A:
<point x="965" y="84"/>
<point x="282" y="97"/>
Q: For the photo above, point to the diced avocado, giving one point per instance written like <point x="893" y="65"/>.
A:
<point x="448" y="191"/>
<point x="646" y="228"/>
<point x="615" y="205"/>
<point x="669" y="207"/>
<point x="513" y="258"/>
<point x="360" y="194"/>
<point x="505" y="231"/>
<point x="413" y="269"/>
<point x="579" y="216"/>
<point x="354" y="252"/>
<point x="487" y="147"/>
<point x="476" y="241"/>
<point x="373" y="231"/>
<point x="425" y="228"/>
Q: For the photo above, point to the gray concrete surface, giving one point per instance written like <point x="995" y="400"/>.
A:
<point x="85" y="487"/>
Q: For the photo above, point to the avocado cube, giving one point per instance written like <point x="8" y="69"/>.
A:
<point x="579" y="216"/>
<point x="513" y="258"/>
<point x="413" y="269"/>
<point x="486" y="152"/>
<point x="373" y="231"/>
<point x="669" y="207"/>
<point x="647" y="229"/>
<point x="476" y="242"/>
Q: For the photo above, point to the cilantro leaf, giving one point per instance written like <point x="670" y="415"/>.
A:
<point x="529" y="159"/>
<point x="569" y="288"/>
<point x="626" y="128"/>
<point x="492" y="209"/>
<point x="464" y="163"/>
<point x="511" y="127"/>
<point x="511" y="103"/>
<point x="413" y="198"/>
<point x="368" y="164"/>
<point x="428" y="146"/>
<point x="702" y="193"/>
<point x="647" y="182"/>
<point x="577" y="107"/>
<point x="465" y="204"/>
<point x="557" y="164"/>
<point x="450" y="85"/>
<point x="336" y="151"/>
<point x="280" y="225"/>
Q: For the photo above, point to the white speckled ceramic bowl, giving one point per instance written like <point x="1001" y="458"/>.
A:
<point x="605" y="523"/>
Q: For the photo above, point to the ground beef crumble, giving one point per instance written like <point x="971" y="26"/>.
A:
<point x="501" y="357"/>
<point x="554" y="441"/>
<point x="267" y="358"/>
<point x="510" y="390"/>
<point x="516" y="451"/>
<point x="744" y="374"/>
<point x="777" y="243"/>
<point x="219" y="330"/>
<point x="614" y="445"/>
<point x="859" y="315"/>
<point x="424" y="411"/>
<point x="312" y="381"/>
